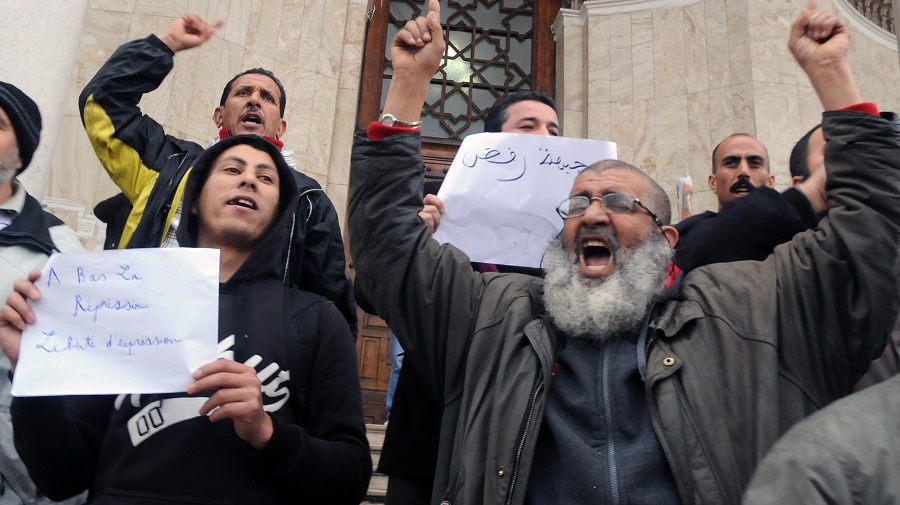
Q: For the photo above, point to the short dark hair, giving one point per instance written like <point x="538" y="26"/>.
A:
<point x="655" y="197"/>
<point x="799" y="154"/>
<point x="716" y="149"/>
<point x="261" y="71"/>
<point x="497" y="114"/>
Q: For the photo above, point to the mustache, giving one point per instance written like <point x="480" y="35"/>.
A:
<point x="742" y="183"/>
<point x="604" y="233"/>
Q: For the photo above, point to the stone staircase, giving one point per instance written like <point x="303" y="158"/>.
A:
<point x="378" y="483"/>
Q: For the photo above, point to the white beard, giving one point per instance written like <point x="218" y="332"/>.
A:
<point x="595" y="309"/>
<point x="9" y="164"/>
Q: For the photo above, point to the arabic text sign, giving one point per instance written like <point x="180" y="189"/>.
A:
<point x="502" y="191"/>
<point x="129" y="321"/>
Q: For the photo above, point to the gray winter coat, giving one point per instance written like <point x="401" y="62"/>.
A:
<point x="746" y="351"/>
<point x="848" y="454"/>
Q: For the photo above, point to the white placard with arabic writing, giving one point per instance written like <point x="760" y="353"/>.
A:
<point x="128" y="321"/>
<point x="502" y="190"/>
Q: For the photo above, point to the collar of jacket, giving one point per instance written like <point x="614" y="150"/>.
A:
<point x="29" y="227"/>
<point x="658" y="318"/>
<point x="544" y="339"/>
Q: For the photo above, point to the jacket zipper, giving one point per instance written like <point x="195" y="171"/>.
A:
<point x="512" y="482"/>
<point x="611" y="444"/>
<point x="647" y="349"/>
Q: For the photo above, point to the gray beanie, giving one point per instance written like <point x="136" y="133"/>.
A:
<point x="25" y="118"/>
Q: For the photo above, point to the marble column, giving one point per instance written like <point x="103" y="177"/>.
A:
<point x="570" y="75"/>
<point x="40" y="40"/>
<point x="897" y="22"/>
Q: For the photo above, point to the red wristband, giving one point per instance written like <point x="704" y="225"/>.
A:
<point x="867" y="107"/>
<point x="380" y="131"/>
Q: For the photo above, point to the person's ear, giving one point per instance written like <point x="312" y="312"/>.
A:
<point x="712" y="182"/>
<point x="217" y="116"/>
<point x="771" y="181"/>
<point x="671" y="235"/>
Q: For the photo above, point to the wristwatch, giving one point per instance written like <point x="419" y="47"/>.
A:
<point x="389" y="120"/>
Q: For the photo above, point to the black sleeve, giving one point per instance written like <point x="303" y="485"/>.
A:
<point x="747" y="228"/>
<point x="317" y="254"/>
<point x="326" y="458"/>
<point x="110" y="114"/>
<point x="59" y="440"/>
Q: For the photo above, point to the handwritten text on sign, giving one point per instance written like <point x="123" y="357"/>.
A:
<point x="502" y="191"/>
<point x="129" y="321"/>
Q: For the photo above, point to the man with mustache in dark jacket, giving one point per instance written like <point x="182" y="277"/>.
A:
<point x="741" y="180"/>
<point x="151" y="166"/>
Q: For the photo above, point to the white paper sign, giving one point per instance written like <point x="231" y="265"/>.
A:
<point x="129" y="321"/>
<point x="501" y="193"/>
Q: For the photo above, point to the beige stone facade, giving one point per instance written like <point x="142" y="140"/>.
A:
<point x="665" y="79"/>
<point x="668" y="79"/>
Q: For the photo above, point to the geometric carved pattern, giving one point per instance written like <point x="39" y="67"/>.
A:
<point x="878" y="12"/>
<point x="488" y="55"/>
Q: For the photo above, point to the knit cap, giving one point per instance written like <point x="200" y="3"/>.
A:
<point x="25" y="117"/>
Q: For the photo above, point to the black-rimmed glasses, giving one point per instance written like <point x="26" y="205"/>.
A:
<point x="615" y="203"/>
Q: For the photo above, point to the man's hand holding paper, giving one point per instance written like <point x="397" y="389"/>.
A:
<point x="130" y="321"/>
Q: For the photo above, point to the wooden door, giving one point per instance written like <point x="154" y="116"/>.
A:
<point x="373" y="353"/>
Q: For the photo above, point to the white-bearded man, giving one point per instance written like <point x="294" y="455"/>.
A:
<point x="674" y="396"/>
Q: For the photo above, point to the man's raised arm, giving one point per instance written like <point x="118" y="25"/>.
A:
<point x="127" y="142"/>
<point x="428" y="293"/>
<point x="820" y="41"/>
<point x="837" y="286"/>
<point x="416" y="53"/>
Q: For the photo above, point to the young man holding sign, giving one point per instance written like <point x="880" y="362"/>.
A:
<point x="278" y="419"/>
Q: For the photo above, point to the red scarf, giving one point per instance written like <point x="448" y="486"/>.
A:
<point x="224" y="134"/>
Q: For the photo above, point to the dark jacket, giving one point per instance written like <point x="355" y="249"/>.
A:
<point x="149" y="167"/>
<point x="847" y="454"/>
<point x="306" y="360"/>
<point x="747" y="350"/>
<point x="744" y="229"/>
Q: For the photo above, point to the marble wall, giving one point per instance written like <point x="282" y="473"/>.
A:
<point x="668" y="79"/>
<point x="313" y="46"/>
<point x="44" y="31"/>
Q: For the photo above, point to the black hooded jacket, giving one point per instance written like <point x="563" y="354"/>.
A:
<point x="305" y="358"/>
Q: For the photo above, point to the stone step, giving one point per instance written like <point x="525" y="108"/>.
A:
<point x="375" y="434"/>
<point x="377" y="486"/>
<point x="376" y="458"/>
<point x="378" y="483"/>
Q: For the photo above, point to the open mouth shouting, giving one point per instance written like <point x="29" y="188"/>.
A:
<point x="742" y="187"/>
<point x="252" y="119"/>
<point x="595" y="254"/>
<point x="247" y="203"/>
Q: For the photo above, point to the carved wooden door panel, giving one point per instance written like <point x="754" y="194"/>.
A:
<point x="372" y="351"/>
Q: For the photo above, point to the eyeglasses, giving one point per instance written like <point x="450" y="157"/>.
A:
<point x="615" y="203"/>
